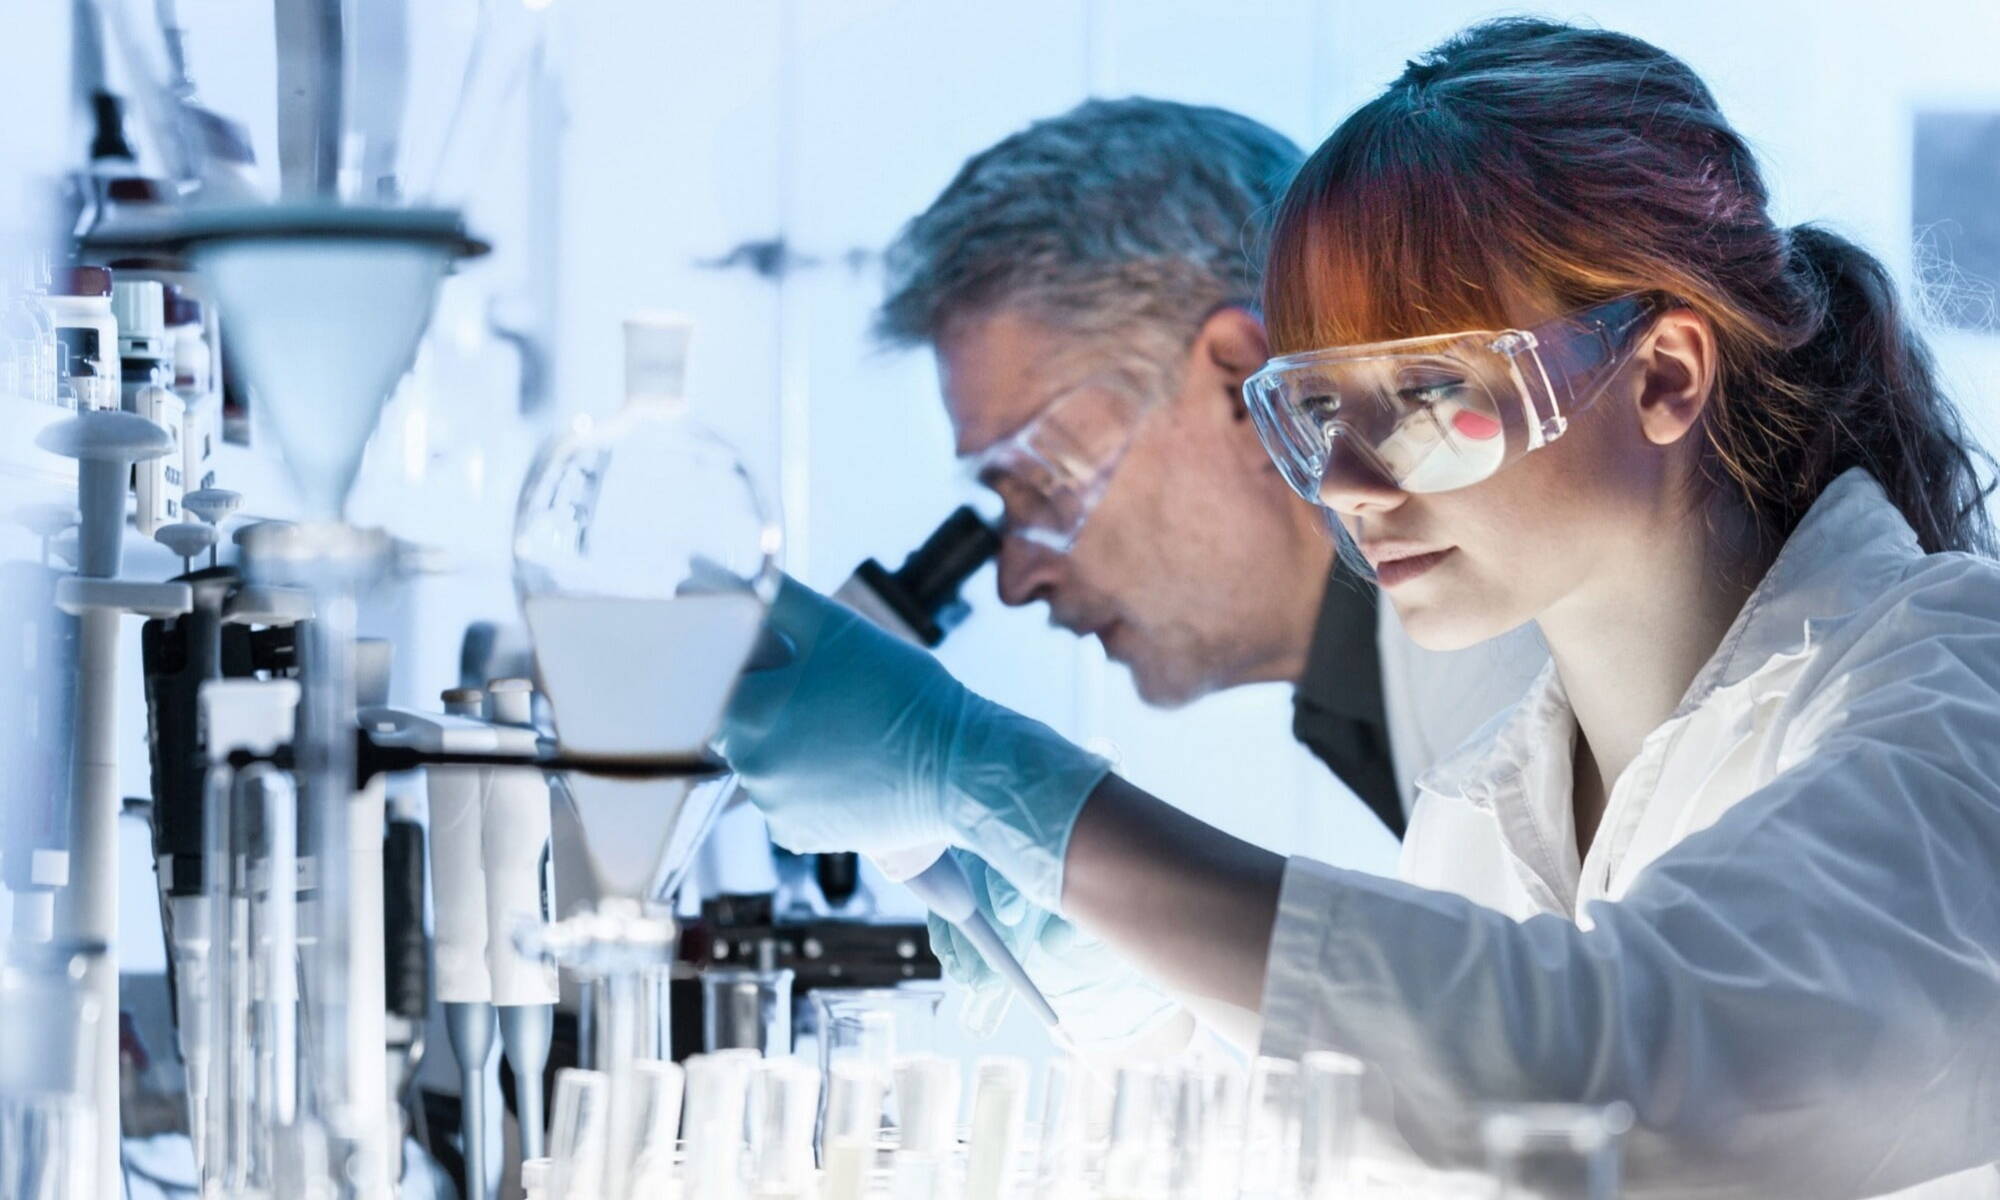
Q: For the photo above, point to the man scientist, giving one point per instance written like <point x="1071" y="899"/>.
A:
<point x="1088" y="287"/>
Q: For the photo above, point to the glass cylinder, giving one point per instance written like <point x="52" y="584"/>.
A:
<point x="1556" y="1151"/>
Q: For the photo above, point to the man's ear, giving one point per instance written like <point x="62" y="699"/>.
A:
<point x="1233" y="345"/>
<point x="1677" y="375"/>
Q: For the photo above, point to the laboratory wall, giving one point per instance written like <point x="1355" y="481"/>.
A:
<point x="746" y="163"/>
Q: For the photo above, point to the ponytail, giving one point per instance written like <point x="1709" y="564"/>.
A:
<point x="1871" y="391"/>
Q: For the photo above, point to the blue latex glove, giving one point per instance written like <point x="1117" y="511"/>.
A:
<point x="1102" y="999"/>
<point x="860" y="741"/>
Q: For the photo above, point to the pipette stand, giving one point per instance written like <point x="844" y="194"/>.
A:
<point x="106" y="444"/>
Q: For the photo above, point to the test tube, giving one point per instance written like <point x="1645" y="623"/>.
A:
<point x="783" y="1095"/>
<point x="718" y="1089"/>
<point x="1073" y="1119"/>
<point x="927" y="1088"/>
<point x="1331" y="1114"/>
<point x="579" y="1135"/>
<point x="854" y="1092"/>
<point x="1195" y="1157"/>
<point x="1556" y="1151"/>
<point x="999" y="1096"/>
<point x="1270" y="1166"/>
<point x="1130" y="1161"/>
<point x="659" y="1088"/>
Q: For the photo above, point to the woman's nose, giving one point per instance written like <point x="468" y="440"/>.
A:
<point x="1355" y="483"/>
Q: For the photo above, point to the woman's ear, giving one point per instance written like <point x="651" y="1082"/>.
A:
<point x="1232" y="344"/>
<point x="1677" y="367"/>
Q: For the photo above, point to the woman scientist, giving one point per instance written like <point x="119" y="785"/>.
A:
<point x="1731" y="859"/>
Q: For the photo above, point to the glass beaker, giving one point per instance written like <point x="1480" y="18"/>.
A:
<point x="746" y="1009"/>
<point x="873" y="1026"/>
<point x="1555" y="1151"/>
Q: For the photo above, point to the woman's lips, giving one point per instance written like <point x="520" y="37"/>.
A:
<point x="1401" y="570"/>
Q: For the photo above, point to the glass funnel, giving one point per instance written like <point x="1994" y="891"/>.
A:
<point x="644" y="561"/>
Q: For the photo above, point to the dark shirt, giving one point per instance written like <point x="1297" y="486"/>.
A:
<point x="1337" y="708"/>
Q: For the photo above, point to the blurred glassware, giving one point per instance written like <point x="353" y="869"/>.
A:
<point x="580" y="1135"/>
<point x="748" y="1009"/>
<point x="1271" y="1132"/>
<point x="1330" y="1117"/>
<point x="1556" y="1151"/>
<point x="875" y="1026"/>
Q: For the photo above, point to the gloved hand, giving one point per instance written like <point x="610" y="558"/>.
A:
<point x="1104" y="1001"/>
<point x="860" y="741"/>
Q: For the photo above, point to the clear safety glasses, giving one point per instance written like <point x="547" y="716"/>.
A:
<point x="1051" y="472"/>
<point x="1432" y="414"/>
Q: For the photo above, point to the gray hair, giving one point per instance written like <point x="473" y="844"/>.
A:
<point x="1133" y="218"/>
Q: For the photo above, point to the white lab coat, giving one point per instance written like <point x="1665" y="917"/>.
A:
<point x="1783" y="948"/>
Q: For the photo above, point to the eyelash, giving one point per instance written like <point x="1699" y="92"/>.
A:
<point x="1429" y="394"/>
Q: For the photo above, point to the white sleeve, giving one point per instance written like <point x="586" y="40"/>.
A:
<point x="1802" y="1000"/>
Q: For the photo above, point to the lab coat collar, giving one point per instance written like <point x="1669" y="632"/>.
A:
<point x="1847" y="548"/>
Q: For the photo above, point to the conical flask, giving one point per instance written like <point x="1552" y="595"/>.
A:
<point x="644" y="561"/>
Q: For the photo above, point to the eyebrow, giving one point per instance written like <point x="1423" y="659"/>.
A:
<point x="1051" y="393"/>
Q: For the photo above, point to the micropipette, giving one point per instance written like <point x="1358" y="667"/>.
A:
<point x="941" y="884"/>
<point x="514" y="837"/>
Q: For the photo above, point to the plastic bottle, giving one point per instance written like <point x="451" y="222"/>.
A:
<point x="79" y="304"/>
<point x="147" y="365"/>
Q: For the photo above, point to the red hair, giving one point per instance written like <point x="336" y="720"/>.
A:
<point x="1529" y="159"/>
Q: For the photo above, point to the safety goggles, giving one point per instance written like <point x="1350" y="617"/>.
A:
<point x="1433" y="414"/>
<point x="1050" y="473"/>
